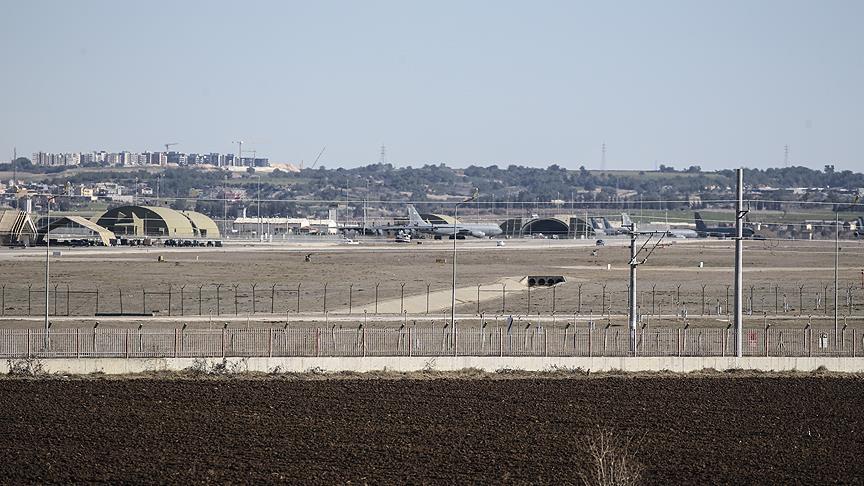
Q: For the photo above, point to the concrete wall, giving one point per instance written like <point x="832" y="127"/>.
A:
<point x="269" y="365"/>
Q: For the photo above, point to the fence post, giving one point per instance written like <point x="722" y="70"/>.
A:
<point x="809" y="342"/>
<point x="176" y="340"/>
<point x="127" y="342"/>
<point x="410" y="343"/>
<point x="853" y="342"/>
<point x="376" y="296"/>
<point x="603" y="300"/>
<point x="182" y="298"/>
<point x="679" y="342"/>
<point x="253" y="297"/>
<point x="589" y="336"/>
<point x="455" y="339"/>
<point x="545" y="342"/>
<point x="28" y="343"/>
<point x="766" y="341"/>
<point x="3" y="306"/>
<point x="29" y="286"/>
<point x="235" y="286"/>
<point x="223" y="341"/>
<point x="325" y="298"/>
<point x="478" y="299"/>
<point x="200" y="298"/>
<point x="298" y="297"/>
<point x="270" y="343"/>
<point x="68" y="293"/>
<point x="363" y="342"/>
<point x="350" y="298"/>
<point x="317" y="342"/>
<point x="78" y="342"/>
<point x="427" y="297"/>
<point x="500" y="344"/>
<point x="273" y="298"/>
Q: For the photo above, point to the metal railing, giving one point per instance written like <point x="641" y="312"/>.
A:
<point x="422" y="341"/>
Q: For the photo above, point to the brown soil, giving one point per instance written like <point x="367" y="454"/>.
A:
<point x="696" y="429"/>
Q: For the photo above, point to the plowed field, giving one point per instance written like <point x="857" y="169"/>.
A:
<point x="706" y="429"/>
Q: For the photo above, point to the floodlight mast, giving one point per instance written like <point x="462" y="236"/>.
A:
<point x="474" y="196"/>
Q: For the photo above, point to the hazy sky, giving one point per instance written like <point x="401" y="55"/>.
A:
<point x="719" y="84"/>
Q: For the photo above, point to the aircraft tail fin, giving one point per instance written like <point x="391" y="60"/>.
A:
<point x="414" y="217"/>
<point x="700" y="225"/>
<point x="626" y="222"/>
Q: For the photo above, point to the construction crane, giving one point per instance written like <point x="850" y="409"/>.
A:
<point x="239" y="152"/>
<point x="169" y="145"/>
<point x="318" y="157"/>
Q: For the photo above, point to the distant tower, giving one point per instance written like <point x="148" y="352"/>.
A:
<point x="15" y="172"/>
<point x="785" y="156"/>
<point x="383" y="159"/>
<point x="603" y="156"/>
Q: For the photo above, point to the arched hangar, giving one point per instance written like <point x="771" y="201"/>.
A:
<point x="155" y="221"/>
<point x="561" y="226"/>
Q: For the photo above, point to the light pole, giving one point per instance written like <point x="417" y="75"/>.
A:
<point x="258" y="211"/>
<point x="47" y="259"/>
<point x="453" y="292"/>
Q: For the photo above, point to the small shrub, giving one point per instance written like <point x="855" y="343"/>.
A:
<point x="25" y="367"/>
<point x="611" y="460"/>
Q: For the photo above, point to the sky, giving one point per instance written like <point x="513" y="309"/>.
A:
<point x="691" y="82"/>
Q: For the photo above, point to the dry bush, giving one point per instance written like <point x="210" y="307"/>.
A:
<point x="611" y="459"/>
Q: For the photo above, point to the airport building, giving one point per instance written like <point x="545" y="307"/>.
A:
<point x="284" y="226"/>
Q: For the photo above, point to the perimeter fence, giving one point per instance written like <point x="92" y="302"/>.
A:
<point x="417" y="340"/>
<point x="393" y="297"/>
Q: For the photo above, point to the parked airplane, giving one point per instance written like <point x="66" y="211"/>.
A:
<point x="477" y="230"/>
<point x="719" y="231"/>
<point x="626" y="222"/>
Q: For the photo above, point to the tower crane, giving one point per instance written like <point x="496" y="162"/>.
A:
<point x="169" y="145"/>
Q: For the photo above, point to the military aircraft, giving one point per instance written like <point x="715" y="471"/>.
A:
<point x="477" y="230"/>
<point x="719" y="231"/>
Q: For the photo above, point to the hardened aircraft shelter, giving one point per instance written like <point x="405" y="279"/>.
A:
<point x="159" y="222"/>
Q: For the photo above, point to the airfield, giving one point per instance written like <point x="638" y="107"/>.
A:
<point x="378" y="282"/>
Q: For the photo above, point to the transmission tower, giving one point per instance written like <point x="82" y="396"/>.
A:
<point x="603" y="156"/>
<point x="383" y="159"/>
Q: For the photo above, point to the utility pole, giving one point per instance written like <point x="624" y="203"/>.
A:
<point x="632" y="296"/>
<point x="739" y="255"/>
<point x="836" y="271"/>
